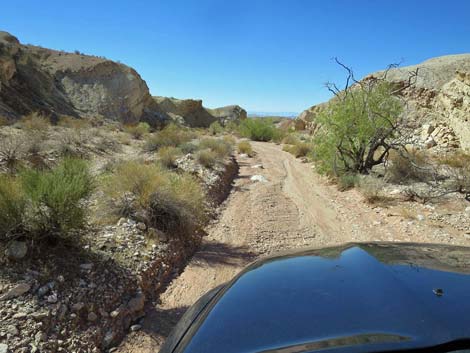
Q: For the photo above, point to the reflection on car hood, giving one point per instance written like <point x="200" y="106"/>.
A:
<point x="363" y="297"/>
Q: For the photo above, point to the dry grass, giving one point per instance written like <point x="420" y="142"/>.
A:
<point x="206" y="158"/>
<point x="301" y="149"/>
<point x="73" y="123"/>
<point x="171" y="202"/>
<point x="168" y="155"/>
<point x="221" y="148"/>
<point x="413" y="165"/>
<point x="245" y="147"/>
<point x="371" y="188"/>
<point x="137" y="131"/>
<point x="35" y="121"/>
<point x="171" y="135"/>
<point x="290" y="139"/>
<point x="407" y="213"/>
<point x="457" y="159"/>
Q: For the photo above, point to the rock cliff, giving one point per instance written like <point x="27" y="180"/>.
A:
<point x="59" y="83"/>
<point x="438" y="103"/>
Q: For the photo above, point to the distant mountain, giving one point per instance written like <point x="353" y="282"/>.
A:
<point x="256" y="114"/>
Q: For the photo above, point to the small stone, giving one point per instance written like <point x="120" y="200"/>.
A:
<point x="40" y="337"/>
<point x="420" y="217"/>
<point x="92" y="317"/>
<point x="86" y="267"/>
<point x="467" y="209"/>
<point x="115" y="313"/>
<point x="78" y="306"/>
<point x="259" y="178"/>
<point x="16" y="250"/>
<point x="52" y="298"/>
<point x="61" y="279"/>
<point x="121" y="221"/>
<point x="137" y="303"/>
<point x="16" y="291"/>
<point x="108" y="338"/>
<point x="135" y="328"/>
<point x="141" y="226"/>
<point x="4" y="348"/>
<point x="12" y="330"/>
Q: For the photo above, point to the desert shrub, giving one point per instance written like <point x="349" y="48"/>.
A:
<point x="56" y="197"/>
<point x="168" y="201"/>
<point x="73" y="123"/>
<point x="405" y="166"/>
<point x="137" y="131"/>
<point x="229" y="139"/>
<point x="3" y="121"/>
<point x="290" y="139"/>
<point x="168" y="155"/>
<point x="218" y="146"/>
<point x="35" y="121"/>
<point x="171" y="135"/>
<point x="12" y="206"/>
<point x="245" y="147"/>
<point x="347" y="181"/>
<point x="457" y="159"/>
<point x="188" y="147"/>
<point x="371" y="188"/>
<point x="300" y="149"/>
<point x="231" y="127"/>
<point x="12" y="150"/>
<point x="258" y="129"/>
<point x="207" y="158"/>
<point x="215" y="128"/>
<point x="357" y="122"/>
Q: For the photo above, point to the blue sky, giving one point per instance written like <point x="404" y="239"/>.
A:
<point x="265" y="55"/>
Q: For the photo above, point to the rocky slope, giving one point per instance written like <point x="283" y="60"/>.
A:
<point x="59" y="83"/>
<point x="439" y="101"/>
<point x="192" y="113"/>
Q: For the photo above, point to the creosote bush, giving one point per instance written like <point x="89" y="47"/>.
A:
<point x="245" y="147"/>
<point x="168" y="201"/>
<point x="371" y="188"/>
<point x="45" y="203"/>
<point x="258" y="129"/>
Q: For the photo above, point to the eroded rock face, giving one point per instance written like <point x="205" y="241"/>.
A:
<point x="230" y="113"/>
<point x="440" y="97"/>
<point x="55" y="82"/>
<point x="192" y="113"/>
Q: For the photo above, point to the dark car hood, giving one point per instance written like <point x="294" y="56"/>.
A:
<point x="358" y="297"/>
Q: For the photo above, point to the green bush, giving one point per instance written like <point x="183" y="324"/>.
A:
<point x="356" y="124"/>
<point x="168" y="155"/>
<point x="188" y="147"/>
<point x="171" y="135"/>
<point x="12" y="206"/>
<point x="347" y="181"/>
<point x="207" y="158"/>
<point x="40" y="203"/>
<point x="137" y="131"/>
<point x="245" y="147"/>
<point x="300" y="149"/>
<point x="168" y="201"/>
<point x="215" y="128"/>
<point x="291" y="139"/>
<point x="57" y="196"/>
<point x="258" y="129"/>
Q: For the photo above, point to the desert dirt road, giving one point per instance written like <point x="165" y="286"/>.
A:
<point x="291" y="207"/>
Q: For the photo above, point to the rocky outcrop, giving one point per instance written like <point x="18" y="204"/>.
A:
<point x="439" y="100"/>
<point x="189" y="112"/>
<point x="230" y="113"/>
<point x="192" y="113"/>
<point x="59" y="83"/>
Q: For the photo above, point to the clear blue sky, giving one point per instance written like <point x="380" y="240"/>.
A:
<point x="265" y="55"/>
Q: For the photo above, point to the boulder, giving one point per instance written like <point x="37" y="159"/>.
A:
<point x="16" y="250"/>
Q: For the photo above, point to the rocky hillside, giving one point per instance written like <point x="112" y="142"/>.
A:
<point x="192" y="113"/>
<point x="439" y="101"/>
<point x="59" y="83"/>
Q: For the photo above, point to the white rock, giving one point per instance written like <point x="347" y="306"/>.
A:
<point x="86" y="267"/>
<point x="467" y="209"/>
<point x="259" y="166"/>
<point x="420" y="217"/>
<point x="259" y="178"/>
<point x="16" y="291"/>
<point x="395" y="192"/>
<point x="3" y="348"/>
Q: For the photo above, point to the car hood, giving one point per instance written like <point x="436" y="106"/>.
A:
<point x="357" y="298"/>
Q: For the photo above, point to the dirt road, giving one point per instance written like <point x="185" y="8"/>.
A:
<point x="291" y="207"/>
